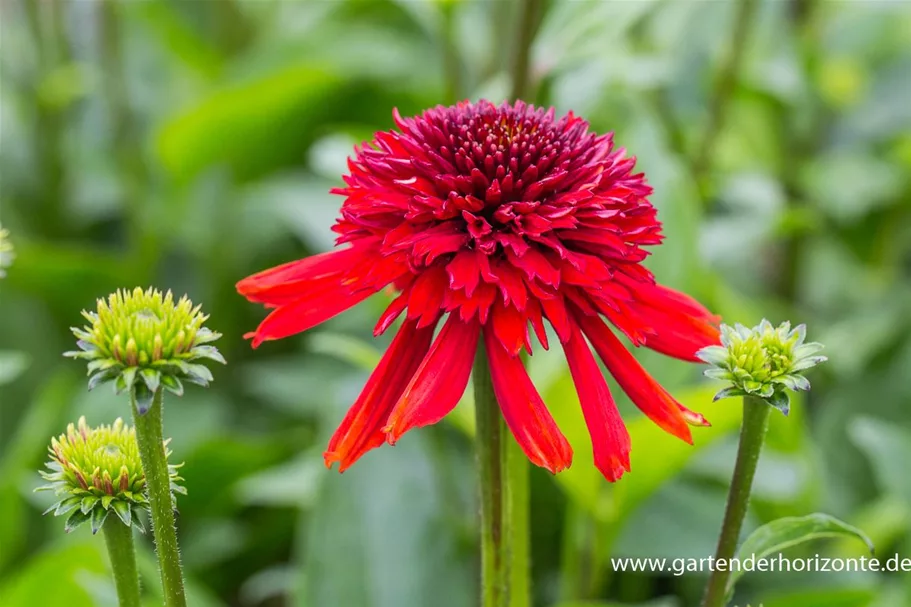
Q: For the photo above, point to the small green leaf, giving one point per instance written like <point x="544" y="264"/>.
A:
<point x="106" y="501"/>
<point x="123" y="511"/>
<point x="727" y="392"/>
<point x="102" y="377"/>
<point x="781" y="401"/>
<point x="101" y="364"/>
<point x="99" y="515"/>
<point x="172" y="384"/>
<point x="76" y="519"/>
<point x="137" y="523"/>
<point x="143" y="397"/>
<point x="783" y="533"/>
<point x="88" y="503"/>
<point x="198" y="374"/>
<point x="152" y="379"/>
<point x="66" y="505"/>
<point x="210" y="352"/>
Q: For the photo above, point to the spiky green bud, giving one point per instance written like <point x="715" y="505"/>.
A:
<point x="6" y="251"/>
<point x="762" y="361"/>
<point x="96" y="472"/>
<point x="143" y="341"/>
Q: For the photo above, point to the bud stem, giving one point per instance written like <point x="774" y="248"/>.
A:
<point x="119" y="540"/>
<point x="503" y="473"/>
<point x="752" y="434"/>
<point x="150" y="438"/>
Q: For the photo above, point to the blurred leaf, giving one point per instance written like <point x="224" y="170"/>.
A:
<point x="681" y="521"/>
<point x="22" y="457"/>
<point x="888" y="448"/>
<point x="12" y="364"/>
<point x="251" y="127"/>
<point x="849" y="184"/>
<point x="67" y="566"/>
<point x="651" y="467"/>
<point x="180" y="37"/>
<point x="357" y="352"/>
<point x="377" y="537"/>
<point x="291" y="484"/>
<point x="67" y="277"/>
<point x="667" y="602"/>
<point x="783" y="533"/>
<point x="885" y="521"/>
<point x="827" y="597"/>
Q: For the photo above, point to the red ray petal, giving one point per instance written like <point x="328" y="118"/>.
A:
<point x="288" y="282"/>
<point x="524" y="411"/>
<point x="439" y="382"/>
<point x="509" y="326"/>
<point x="305" y="314"/>
<point x="680" y="326"/>
<point x="610" y="438"/>
<point x="361" y="431"/>
<point x="643" y="390"/>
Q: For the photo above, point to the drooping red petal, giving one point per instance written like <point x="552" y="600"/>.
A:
<point x="305" y="314"/>
<point x="287" y="282"/>
<point x="677" y="334"/>
<point x="680" y="325"/>
<point x="525" y="413"/>
<point x="361" y="430"/>
<point x="510" y="326"/>
<point x="439" y="382"/>
<point x="646" y="393"/>
<point x="610" y="438"/>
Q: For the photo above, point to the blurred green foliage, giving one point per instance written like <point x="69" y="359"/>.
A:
<point x="188" y="144"/>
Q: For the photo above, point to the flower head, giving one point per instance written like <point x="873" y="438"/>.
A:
<point x="497" y="218"/>
<point x="6" y="251"/>
<point x="96" y="472"/>
<point x="143" y="340"/>
<point x="762" y="361"/>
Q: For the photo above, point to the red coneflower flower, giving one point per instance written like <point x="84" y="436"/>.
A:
<point x="500" y="217"/>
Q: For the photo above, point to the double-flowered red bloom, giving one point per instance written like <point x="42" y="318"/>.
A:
<point x="490" y="220"/>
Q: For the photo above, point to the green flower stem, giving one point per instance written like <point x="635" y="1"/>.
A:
<point x="150" y="437"/>
<point x="752" y="433"/>
<point x="119" y="539"/>
<point x="503" y="471"/>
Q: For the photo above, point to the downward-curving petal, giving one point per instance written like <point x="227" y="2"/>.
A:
<point x="646" y="393"/>
<point x="288" y="282"/>
<point x="610" y="439"/>
<point x="306" y="313"/>
<point x="361" y="430"/>
<point x="439" y="382"/>
<point x="525" y="413"/>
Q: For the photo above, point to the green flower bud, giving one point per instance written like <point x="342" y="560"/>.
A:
<point x="6" y="251"/>
<point x="96" y="472"/>
<point x="143" y="341"/>
<point x="762" y="361"/>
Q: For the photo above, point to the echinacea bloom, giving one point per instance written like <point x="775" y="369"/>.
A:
<point x="487" y="219"/>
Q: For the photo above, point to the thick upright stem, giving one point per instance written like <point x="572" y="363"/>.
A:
<point x="752" y="433"/>
<point x="503" y="473"/>
<point x="150" y="437"/>
<point x="119" y="540"/>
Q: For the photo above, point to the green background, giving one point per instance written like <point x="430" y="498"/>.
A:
<point x="186" y="145"/>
